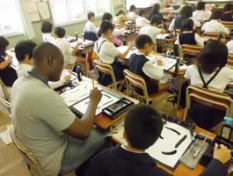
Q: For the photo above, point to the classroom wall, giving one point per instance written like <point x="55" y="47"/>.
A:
<point x="70" y="29"/>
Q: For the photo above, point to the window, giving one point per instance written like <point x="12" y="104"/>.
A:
<point x="10" y="18"/>
<point x="70" y="11"/>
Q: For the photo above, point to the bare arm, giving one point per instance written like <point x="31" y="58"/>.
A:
<point x="5" y="63"/>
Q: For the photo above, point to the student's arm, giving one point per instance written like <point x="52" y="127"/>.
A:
<point x="216" y="167"/>
<point x="5" y="63"/>
<point x="82" y="128"/>
<point x="171" y="27"/>
<point x="154" y="72"/>
<point x="199" y="40"/>
<point x="224" y="30"/>
<point x="124" y="54"/>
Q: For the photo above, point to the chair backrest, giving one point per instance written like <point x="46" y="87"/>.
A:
<point x="106" y="69"/>
<point x="211" y="35"/>
<point x="191" y="50"/>
<point x="229" y="25"/>
<point x="33" y="163"/>
<point x="208" y="97"/>
<point x="230" y="60"/>
<point x="5" y="103"/>
<point x="135" y="80"/>
<point x="4" y="89"/>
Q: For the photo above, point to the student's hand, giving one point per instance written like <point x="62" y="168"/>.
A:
<point x="222" y="153"/>
<point x="9" y="58"/>
<point x="131" y="45"/>
<point x="67" y="77"/>
<point x="95" y="96"/>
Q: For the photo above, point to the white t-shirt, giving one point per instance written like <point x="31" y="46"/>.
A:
<point x="201" y="15"/>
<point x="215" y="26"/>
<point x="106" y="50"/>
<point x="224" y="77"/>
<point x="152" y="31"/>
<point x="66" y="50"/>
<point x="230" y="46"/>
<point x="131" y="16"/>
<point x="90" y="27"/>
<point x="47" y="37"/>
<point x="142" y="21"/>
<point x="39" y="117"/>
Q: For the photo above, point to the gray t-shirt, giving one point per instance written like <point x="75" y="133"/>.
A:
<point x="39" y="116"/>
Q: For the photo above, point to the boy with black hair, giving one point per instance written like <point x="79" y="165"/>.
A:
<point x="132" y="14"/>
<point x="65" y="48"/>
<point x="46" y="29"/>
<point x="141" y="21"/>
<point x="90" y="24"/>
<point x="143" y="126"/>
<point x="141" y="65"/>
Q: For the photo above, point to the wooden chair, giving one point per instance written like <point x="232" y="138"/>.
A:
<point x="6" y="104"/>
<point x="33" y="163"/>
<point x="107" y="69"/>
<point x="208" y="97"/>
<point x="211" y="35"/>
<point x="134" y="80"/>
<point x="190" y="50"/>
<point x="229" y="25"/>
<point x="230" y="61"/>
<point x="5" y="90"/>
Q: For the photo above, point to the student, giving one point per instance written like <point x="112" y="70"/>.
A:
<point x="143" y="126"/>
<point x="214" y="25"/>
<point x="140" y="65"/>
<point x="132" y="14"/>
<point x="23" y="52"/>
<point x="230" y="47"/>
<point x="200" y="14"/>
<point x="7" y="73"/>
<point x="107" y="17"/>
<point x="90" y="24"/>
<point x="141" y="21"/>
<point x="153" y="29"/>
<point x="211" y="64"/>
<point x="178" y="22"/>
<point x="188" y="36"/>
<point x="46" y="29"/>
<point x="120" y="19"/>
<point x="44" y="123"/>
<point x="156" y="11"/>
<point x="228" y="12"/>
<point x="108" y="53"/>
<point x="63" y="45"/>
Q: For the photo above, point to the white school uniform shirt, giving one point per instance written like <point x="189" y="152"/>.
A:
<point x="142" y="21"/>
<point x="106" y="50"/>
<point x="131" y="16"/>
<point x="215" y="26"/>
<point x="47" y="37"/>
<point x="200" y="41"/>
<point x="172" y="25"/>
<point x="90" y="27"/>
<point x="230" y="46"/>
<point x="201" y="15"/>
<point x="23" y="70"/>
<point x="224" y="77"/>
<point x="66" y="50"/>
<point x="152" y="31"/>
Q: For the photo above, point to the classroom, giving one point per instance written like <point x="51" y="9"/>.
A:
<point x="116" y="88"/>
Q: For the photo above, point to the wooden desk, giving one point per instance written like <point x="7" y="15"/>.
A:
<point x="12" y="162"/>
<point x="181" y="169"/>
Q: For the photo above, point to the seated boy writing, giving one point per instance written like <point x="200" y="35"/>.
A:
<point x="142" y="66"/>
<point x="143" y="126"/>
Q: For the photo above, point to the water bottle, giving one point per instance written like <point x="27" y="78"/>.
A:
<point x="79" y="72"/>
<point x="227" y="128"/>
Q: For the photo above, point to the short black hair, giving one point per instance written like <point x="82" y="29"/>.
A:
<point x="186" y="11"/>
<point x="141" y="12"/>
<point x="215" y="15"/>
<point x="90" y="14"/>
<point x="3" y="45"/>
<point x="46" y="27"/>
<point x="156" y="19"/>
<point x="143" y="126"/>
<point x="141" y="40"/>
<point x="104" y="27"/>
<point x="200" y="5"/>
<point x="60" y="32"/>
<point x="187" y="25"/>
<point x="24" y="48"/>
<point x="228" y="7"/>
<point x="107" y="17"/>
<point x="132" y="8"/>
<point x="213" y="55"/>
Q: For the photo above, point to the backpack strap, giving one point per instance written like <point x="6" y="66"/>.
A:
<point x="99" y="46"/>
<point x="205" y="84"/>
